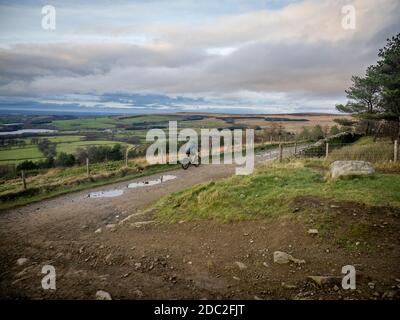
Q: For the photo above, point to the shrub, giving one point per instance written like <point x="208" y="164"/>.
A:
<point x="27" y="165"/>
<point x="64" y="160"/>
<point x="100" y="154"/>
<point x="47" y="147"/>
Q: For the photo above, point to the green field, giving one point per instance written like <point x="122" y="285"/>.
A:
<point x="68" y="144"/>
<point x="57" y="139"/>
<point x="101" y="123"/>
<point x="85" y="123"/>
<point x="28" y="152"/>
<point x="73" y="146"/>
<point x="148" y="119"/>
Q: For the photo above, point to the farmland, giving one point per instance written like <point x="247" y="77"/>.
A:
<point x="73" y="133"/>
<point x="18" y="154"/>
<point x="67" y="144"/>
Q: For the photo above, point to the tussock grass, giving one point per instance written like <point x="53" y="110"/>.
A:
<point x="271" y="191"/>
<point x="380" y="153"/>
<point x="364" y="149"/>
<point x="387" y="167"/>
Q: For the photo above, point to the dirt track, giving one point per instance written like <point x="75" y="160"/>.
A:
<point x="185" y="260"/>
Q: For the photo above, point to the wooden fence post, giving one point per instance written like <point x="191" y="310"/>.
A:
<point x="87" y="167"/>
<point x="280" y="152"/>
<point x="23" y="178"/>
<point x="126" y="157"/>
<point x="295" y="148"/>
<point x="327" y="150"/>
<point x="396" y="151"/>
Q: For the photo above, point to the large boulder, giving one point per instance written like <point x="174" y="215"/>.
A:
<point x="351" y="168"/>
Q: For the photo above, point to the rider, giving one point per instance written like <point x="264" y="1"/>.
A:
<point x="191" y="149"/>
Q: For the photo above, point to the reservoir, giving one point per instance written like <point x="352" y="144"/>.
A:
<point x="22" y="131"/>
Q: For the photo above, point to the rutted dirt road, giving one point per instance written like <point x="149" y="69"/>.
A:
<point x="185" y="260"/>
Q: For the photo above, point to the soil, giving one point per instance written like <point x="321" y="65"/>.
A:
<point x="191" y="260"/>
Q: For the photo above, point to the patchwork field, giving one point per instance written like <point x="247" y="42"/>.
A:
<point x="80" y="132"/>
<point x="18" y="154"/>
<point x="72" y="147"/>
<point x="291" y="122"/>
<point x="67" y="144"/>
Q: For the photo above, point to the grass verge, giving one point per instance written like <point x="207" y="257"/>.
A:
<point x="36" y="194"/>
<point x="271" y="191"/>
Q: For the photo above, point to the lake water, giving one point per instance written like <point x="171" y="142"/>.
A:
<point x="22" y="131"/>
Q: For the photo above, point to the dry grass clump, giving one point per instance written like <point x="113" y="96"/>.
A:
<point x="387" y="167"/>
<point x="375" y="152"/>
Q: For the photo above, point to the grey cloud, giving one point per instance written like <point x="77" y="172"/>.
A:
<point x="320" y="67"/>
<point x="292" y="57"/>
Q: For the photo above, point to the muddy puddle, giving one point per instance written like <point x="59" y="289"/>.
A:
<point x="149" y="183"/>
<point x="120" y="192"/>
<point x="106" y="194"/>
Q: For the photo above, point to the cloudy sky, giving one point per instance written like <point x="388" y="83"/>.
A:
<point x="267" y="56"/>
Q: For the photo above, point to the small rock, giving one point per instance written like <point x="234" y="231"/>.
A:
<point x="336" y="288"/>
<point x="371" y="285"/>
<point x="288" y="286"/>
<point x="236" y="278"/>
<point x="265" y="265"/>
<point x="325" y="280"/>
<point x="141" y="223"/>
<point x="138" y="293"/>
<point x="22" y="261"/>
<point x="98" y="230"/>
<point x="283" y="258"/>
<point x="103" y="295"/>
<point x="312" y="231"/>
<point x="389" y="294"/>
<point x="241" y="265"/>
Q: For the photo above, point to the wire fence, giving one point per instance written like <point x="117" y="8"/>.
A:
<point x="375" y="152"/>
